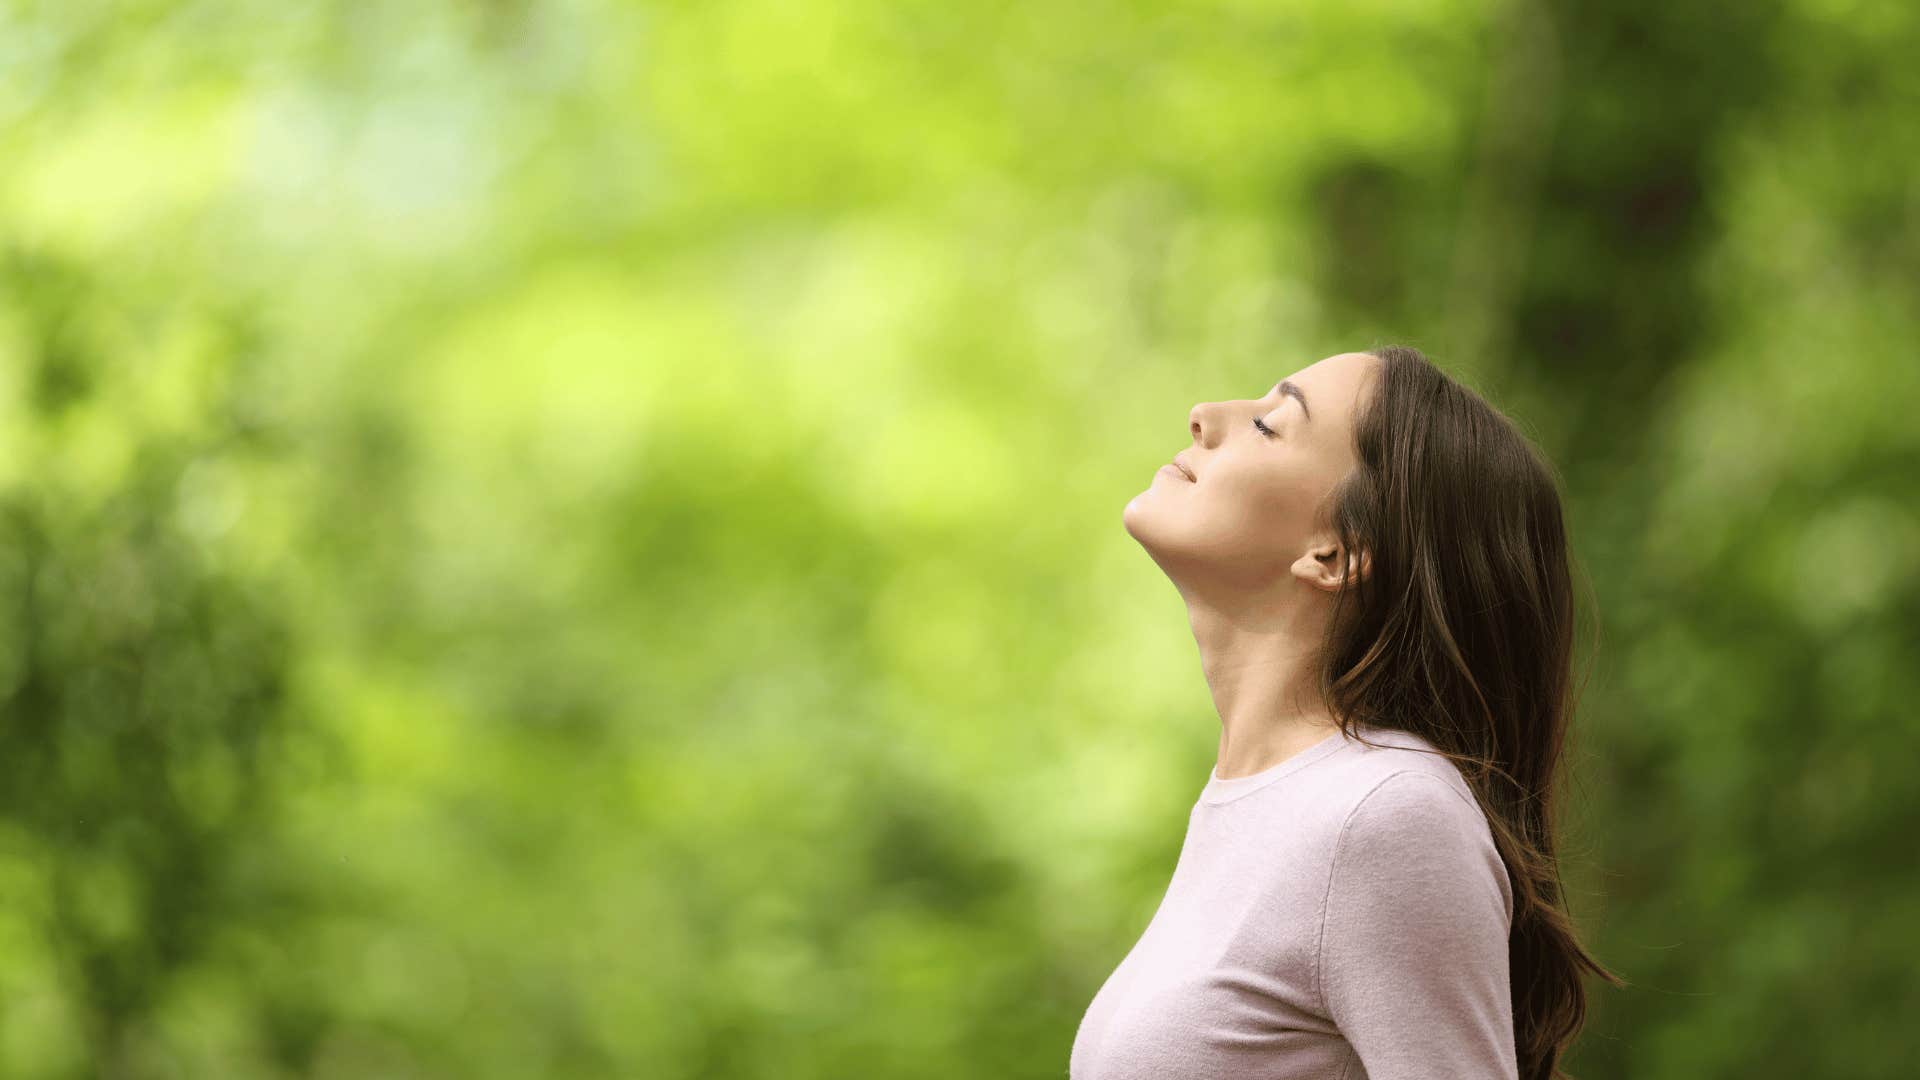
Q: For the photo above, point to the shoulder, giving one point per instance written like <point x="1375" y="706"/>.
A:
<point x="1413" y="832"/>
<point x="1401" y="805"/>
<point x="1409" y="803"/>
<point x="1400" y="782"/>
<point x="1405" y="763"/>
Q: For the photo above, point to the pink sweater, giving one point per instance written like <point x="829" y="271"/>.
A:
<point x="1342" y="915"/>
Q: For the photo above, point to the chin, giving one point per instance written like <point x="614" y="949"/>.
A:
<point x="1144" y="521"/>
<point x="1133" y="515"/>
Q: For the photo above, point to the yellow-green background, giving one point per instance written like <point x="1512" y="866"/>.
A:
<point x="583" y="539"/>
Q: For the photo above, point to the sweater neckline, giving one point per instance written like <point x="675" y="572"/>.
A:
<point x="1220" y="790"/>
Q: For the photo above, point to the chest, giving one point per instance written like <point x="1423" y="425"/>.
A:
<point x="1223" y="981"/>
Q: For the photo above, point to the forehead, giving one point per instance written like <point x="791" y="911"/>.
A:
<point x="1338" y="381"/>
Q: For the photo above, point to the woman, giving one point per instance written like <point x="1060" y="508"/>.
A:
<point x="1375" y="569"/>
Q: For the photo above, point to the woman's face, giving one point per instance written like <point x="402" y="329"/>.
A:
<point x="1250" y="513"/>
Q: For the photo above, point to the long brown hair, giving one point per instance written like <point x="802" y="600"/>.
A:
<point x="1461" y="632"/>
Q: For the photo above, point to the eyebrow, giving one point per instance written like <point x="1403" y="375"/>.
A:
<point x="1287" y="389"/>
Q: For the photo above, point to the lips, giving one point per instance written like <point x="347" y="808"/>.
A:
<point x="1184" y="471"/>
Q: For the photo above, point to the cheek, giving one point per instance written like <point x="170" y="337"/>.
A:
<point x="1251" y="509"/>
<point x="1264" y="494"/>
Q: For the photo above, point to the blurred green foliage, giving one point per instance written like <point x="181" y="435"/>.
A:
<point x="582" y="539"/>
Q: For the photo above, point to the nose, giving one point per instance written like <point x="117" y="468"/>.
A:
<point x="1195" y="422"/>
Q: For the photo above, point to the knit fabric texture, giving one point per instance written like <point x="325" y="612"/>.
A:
<point x="1341" y="915"/>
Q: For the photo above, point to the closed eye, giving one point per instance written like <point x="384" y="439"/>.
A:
<point x="1264" y="429"/>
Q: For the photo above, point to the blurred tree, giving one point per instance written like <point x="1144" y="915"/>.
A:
<point x="145" y="695"/>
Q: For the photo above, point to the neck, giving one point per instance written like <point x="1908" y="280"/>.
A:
<point x="1260" y="659"/>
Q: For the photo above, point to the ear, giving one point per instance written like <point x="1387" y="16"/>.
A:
<point x="1325" y="568"/>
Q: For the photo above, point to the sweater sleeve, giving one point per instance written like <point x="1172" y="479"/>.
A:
<point x="1413" y="948"/>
